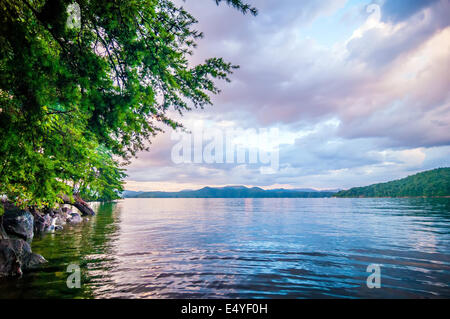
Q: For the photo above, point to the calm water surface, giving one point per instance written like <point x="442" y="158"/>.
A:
<point x="248" y="248"/>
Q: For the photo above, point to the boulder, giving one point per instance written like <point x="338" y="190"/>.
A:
<point x="16" y="256"/>
<point x="9" y="262"/>
<point x="48" y="220"/>
<point x="3" y="234"/>
<point x="33" y="261"/>
<point x="39" y="224"/>
<point x="61" y="219"/>
<point x="74" y="218"/>
<point x="66" y="210"/>
<point x="45" y="223"/>
<point x="18" y="223"/>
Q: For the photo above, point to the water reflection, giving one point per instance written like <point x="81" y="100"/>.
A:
<point x="90" y="245"/>
<point x="249" y="248"/>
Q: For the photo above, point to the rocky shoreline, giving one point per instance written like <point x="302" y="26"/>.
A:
<point x="18" y="227"/>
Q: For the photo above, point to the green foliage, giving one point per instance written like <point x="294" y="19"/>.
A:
<point x="432" y="183"/>
<point x="238" y="4"/>
<point x="104" y="179"/>
<point x="74" y="102"/>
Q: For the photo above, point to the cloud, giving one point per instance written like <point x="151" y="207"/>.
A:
<point x="381" y="43"/>
<point x="367" y="105"/>
<point x="399" y="10"/>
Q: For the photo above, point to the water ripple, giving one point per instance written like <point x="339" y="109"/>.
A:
<point x="249" y="248"/>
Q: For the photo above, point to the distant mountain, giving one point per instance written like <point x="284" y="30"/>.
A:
<point x="127" y="194"/>
<point x="308" y="190"/>
<point x="232" y="192"/>
<point x="315" y="190"/>
<point x="434" y="183"/>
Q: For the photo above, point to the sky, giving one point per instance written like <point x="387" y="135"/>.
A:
<point x="357" y="92"/>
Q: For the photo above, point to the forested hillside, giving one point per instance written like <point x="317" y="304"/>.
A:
<point x="430" y="183"/>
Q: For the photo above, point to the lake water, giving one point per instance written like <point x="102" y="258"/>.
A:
<point x="248" y="248"/>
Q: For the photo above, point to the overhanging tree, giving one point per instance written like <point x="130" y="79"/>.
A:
<point x="75" y="102"/>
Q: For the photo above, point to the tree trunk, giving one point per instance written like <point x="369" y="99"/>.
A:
<point x="82" y="206"/>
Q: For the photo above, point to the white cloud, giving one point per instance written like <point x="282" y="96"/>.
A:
<point x="374" y="107"/>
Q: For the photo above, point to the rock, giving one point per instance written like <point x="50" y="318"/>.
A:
<point x="18" y="223"/>
<point x="33" y="261"/>
<point x="16" y="256"/>
<point x="61" y="219"/>
<point x="3" y="234"/>
<point x="52" y="226"/>
<point x="56" y="211"/>
<point x="39" y="224"/>
<point x="43" y="223"/>
<point x="66" y="210"/>
<point x="9" y="262"/>
<point x="48" y="220"/>
<point x="74" y="218"/>
<point x="53" y="212"/>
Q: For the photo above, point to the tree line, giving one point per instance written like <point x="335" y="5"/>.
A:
<point x="433" y="183"/>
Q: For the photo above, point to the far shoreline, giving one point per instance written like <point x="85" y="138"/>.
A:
<point x="337" y="197"/>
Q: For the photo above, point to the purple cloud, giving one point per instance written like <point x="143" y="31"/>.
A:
<point x="385" y="87"/>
